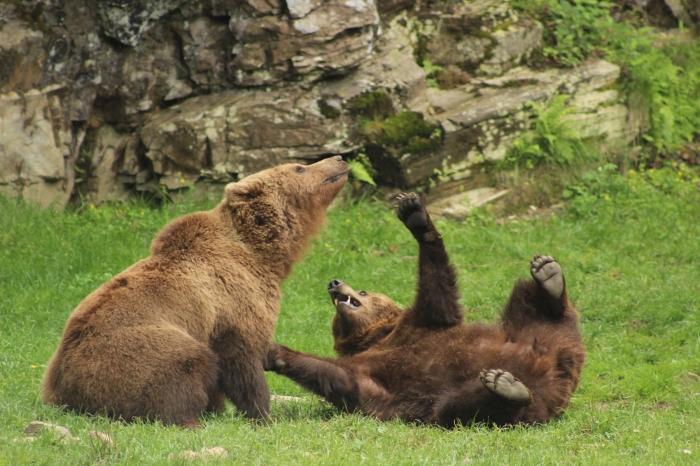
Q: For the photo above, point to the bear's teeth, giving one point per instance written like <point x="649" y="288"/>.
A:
<point x="335" y="301"/>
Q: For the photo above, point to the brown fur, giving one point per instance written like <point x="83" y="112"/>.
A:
<point x="423" y="364"/>
<point x="177" y="332"/>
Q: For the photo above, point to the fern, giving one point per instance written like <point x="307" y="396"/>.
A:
<point x="551" y="141"/>
<point x="359" y="171"/>
<point x="558" y="142"/>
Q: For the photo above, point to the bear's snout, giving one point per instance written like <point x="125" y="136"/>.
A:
<point x="334" y="284"/>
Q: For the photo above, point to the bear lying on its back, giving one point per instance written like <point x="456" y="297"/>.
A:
<point x="175" y="333"/>
<point x="423" y="364"/>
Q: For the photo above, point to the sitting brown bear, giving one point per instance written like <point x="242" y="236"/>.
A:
<point x="173" y="334"/>
<point x="423" y="364"/>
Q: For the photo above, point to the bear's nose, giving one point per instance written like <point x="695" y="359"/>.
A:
<point x="334" y="284"/>
<point x="339" y="158"/>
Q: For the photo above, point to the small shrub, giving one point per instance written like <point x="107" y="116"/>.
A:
<point x="551" y="141"/>
<point x="574" y="29"/>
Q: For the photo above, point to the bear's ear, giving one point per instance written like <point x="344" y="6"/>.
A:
<point x="243" y="190"/>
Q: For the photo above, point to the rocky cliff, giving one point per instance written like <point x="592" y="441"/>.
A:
<point x="108" y="97"/>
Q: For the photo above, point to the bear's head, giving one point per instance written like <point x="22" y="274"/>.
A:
<point x="276" y="211"/>
<point x="361" y="319"/>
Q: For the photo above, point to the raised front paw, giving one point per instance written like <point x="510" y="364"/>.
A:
<point x="273" y="361"/>
<point x="411" y="212"/>
<point x="503" y="384"/>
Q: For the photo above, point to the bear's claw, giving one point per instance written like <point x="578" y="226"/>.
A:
<point x="411" y="212"/>
<point x="548" y="273"/>
<point x="503" y="384"/>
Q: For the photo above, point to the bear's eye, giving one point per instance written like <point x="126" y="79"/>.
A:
<point x="363" y="293"/>
<point x="301" y="169"/>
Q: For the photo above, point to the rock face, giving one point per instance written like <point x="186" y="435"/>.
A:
<point x="38" y="147"/>
<point x="480" y="126"/>
<point x="109" y="97"/>
<point x="225" y="136"/>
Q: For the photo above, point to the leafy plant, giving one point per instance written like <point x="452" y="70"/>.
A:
<point x="574" y="29"/>
<point x="361" y="168"/>
<point x="664" y="83"/>
<point x="551" y="141"/>
<point x="432" y="72"/>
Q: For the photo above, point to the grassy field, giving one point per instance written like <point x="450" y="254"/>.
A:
<point x="632" y="261"/>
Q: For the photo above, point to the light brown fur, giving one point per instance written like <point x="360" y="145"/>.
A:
<point x="175" y="333"/>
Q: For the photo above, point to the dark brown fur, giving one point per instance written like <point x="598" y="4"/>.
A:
<point x="177" y="332"/>
<point x="423" y="364"/>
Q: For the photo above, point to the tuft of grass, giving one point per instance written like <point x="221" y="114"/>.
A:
<point x="631" y="264"/>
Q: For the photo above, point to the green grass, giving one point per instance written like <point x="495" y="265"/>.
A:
<point x="632" y="265"/>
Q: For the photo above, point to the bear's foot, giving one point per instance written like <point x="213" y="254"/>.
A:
<point x="548" y="273"/>
<point x="504" y="385"/>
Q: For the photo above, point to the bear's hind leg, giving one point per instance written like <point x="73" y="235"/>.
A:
<point x="473" y="402"/>
<point x="542" y="298"/>
<point x="139" y="372"/>
<point x="183" y="383"/>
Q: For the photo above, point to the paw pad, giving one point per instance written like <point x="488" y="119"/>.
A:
<point x="506" y="386"/>
<point x="410" y="211"/>
<point x="548" y="273"/>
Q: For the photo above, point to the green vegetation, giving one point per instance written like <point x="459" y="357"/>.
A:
<point x="362" y="169"/>
<point x="328" y="110"/>
<point x="551" y="140"/>
<point x="405" y="132"/>
<point x="660" y="82"/>
<point x="661" y="70"/>
<point x="375" y="105"/>
<point x="575" y="28"/>
<point x="629" y="250"/>
<point x="431" y="72"/>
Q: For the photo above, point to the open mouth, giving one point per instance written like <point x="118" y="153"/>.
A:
<point x="340" y="299"/>
<point x="333" y="178"/>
